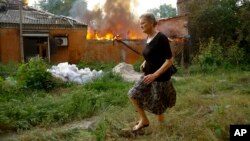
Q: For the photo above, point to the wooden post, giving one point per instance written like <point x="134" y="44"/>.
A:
<point x="21" y="29"/>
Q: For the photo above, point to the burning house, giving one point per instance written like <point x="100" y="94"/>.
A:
<point x="113" y="20"/>
<point x="116" y="18"/>
<point x="39" y="33"/>
<point x="63" y="39"/>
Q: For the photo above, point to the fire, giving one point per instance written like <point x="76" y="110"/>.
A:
<point x="110" y="36"/>
<point x="92" y="36"/>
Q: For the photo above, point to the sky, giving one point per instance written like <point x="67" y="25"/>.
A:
<point x="143" y="5"/>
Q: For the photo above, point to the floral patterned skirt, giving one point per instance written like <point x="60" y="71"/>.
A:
<point x="155" y="97"/>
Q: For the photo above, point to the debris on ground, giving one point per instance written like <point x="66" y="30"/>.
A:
<point x="68" y="72"/>
<point x="127" y="72"/>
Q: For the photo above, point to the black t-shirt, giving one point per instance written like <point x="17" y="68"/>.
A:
<point x="155" y="53"/>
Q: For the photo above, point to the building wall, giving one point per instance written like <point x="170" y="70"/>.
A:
<point x="109" y="51"/>
<point x="9" y="45"/>
<point x="174" y="27"/>
<point x="73" y="53"/>
<point x="78" y="48"/>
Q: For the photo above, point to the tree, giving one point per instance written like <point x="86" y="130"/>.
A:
<point x="227" y="21"/>
<point x="58" y="7"/>
<point x="244" y="30"/>
<point x="164" y="11"/>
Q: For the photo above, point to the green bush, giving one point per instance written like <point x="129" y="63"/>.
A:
<point x="213" y="55"/>
<point x="225" y="20"/>
<point x="235" y="55"/>
<point x="210" y="55"/>
<point x="34" y="75"/>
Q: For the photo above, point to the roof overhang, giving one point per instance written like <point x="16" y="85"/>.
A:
<point x="35" y="35"/>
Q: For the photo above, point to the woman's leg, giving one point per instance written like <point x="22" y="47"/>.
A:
<point x="142" y="115"/>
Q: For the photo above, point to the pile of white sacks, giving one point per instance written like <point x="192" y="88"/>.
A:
<point x="68" y="72"/>
<point x="127" y="72"/>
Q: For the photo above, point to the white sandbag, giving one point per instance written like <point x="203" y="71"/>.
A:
<point x="67" y="72"/>
<point x="127" y="72"/>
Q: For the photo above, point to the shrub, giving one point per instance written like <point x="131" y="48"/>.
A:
<point x="210" y="55"/>
<point x="8" y="86"/>
<point x="34" y="75"/>
<point x="213" y="55"/>
<point x="235" y="55"/>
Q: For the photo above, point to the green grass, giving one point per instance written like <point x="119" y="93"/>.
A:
<point x="207" y="103"/>
<point x="7" y="70"/>
<point x="206" y="106"/>
<point x="23" y="109"/>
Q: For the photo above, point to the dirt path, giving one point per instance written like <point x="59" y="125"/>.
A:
<point x="86" y="124"/>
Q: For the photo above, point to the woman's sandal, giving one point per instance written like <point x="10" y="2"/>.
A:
<point x="139" y="128"/>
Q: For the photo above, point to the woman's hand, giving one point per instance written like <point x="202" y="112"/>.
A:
<point x="149" y="78"/>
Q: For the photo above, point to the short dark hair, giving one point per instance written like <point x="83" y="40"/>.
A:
<point x="149" y="17"/>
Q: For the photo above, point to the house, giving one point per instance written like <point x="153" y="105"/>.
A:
<point x="176" y="28"/>
<point x="39" y="33"/>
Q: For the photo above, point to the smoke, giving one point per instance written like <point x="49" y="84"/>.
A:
<point x="115" y="17"/>
<point x="78" y="9"/>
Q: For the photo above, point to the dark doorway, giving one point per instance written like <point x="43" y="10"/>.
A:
<point x="35" y="46"/>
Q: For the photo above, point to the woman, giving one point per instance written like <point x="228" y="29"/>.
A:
<point x="154" y="92"/>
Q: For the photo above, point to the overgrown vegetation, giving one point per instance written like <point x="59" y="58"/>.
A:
<point x="212" y="56"/>
<point x="34" y="75"/>
<point x="27" y="108"/>
<point x="212" y="101"/>
<point x="225" y="21"/>
<point x="8" y="70"/>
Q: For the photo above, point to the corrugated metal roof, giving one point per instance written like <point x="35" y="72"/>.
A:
<point x="37" y="17"/>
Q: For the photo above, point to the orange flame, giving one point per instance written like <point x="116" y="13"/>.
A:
<point x="109" y="36"/>
<point x="95" y="36"/>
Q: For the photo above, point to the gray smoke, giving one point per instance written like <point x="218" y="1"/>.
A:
<point x="116" y="17"/>
<point x="78" y="10"/>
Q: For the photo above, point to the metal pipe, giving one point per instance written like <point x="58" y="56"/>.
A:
<point x="128" y="46"/>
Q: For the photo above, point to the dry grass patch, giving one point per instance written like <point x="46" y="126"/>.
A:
<point x="205" y="108"/>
